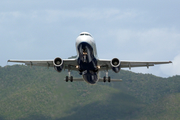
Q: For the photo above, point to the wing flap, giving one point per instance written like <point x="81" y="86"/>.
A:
<point x="35" y="62"/>
<point x="126" y="64"/>
<point x="105" y="64"/>
<point x="68" y="63"/>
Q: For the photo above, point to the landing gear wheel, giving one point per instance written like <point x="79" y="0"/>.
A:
<point x="109" y="79"/>
<point x="71" y="78"/>
<point x="104" y="80"/>
<point x="66" y="78"/>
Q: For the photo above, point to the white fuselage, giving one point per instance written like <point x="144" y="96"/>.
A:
<point x="87" y="38"/>
<point x="87" y="58"/>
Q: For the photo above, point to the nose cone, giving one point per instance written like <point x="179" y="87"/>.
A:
<point x="84" y="38"/>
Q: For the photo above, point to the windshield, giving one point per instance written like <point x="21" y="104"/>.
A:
<point x="85" y="34"/>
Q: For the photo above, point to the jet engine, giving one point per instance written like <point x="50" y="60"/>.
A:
<point x="58" y="64"/>
<point x="115" y="63"/>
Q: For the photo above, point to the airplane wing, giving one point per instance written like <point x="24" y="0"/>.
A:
<point x="68" y="63"/>
<point x="127" y="64"/>
<point x="105" y="64"/>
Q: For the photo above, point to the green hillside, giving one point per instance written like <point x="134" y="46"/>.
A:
<point x="42" y="94"/>
<point x="166" y="108"/>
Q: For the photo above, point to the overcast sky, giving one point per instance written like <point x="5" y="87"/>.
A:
<point x="141" y="30"/>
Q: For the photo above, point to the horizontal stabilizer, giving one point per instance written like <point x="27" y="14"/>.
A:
<point x="75" y="79"/>
<point x="112" y="80"/>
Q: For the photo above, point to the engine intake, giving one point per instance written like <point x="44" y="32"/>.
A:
<point x="115" y="63"/>
<point x="58" y="64"/>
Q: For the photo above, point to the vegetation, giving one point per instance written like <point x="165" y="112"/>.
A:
<point x="39" y="93"/>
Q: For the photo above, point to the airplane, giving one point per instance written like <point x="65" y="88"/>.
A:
<point x="87" y="62"/>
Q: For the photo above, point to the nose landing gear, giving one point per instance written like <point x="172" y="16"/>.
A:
<point x="84" y="55"/>
<point x="84" y="58"/>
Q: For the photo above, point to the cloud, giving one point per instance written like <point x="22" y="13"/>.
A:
<point x="93" y="14"/>
<point x="172" y="69"/>
<point x="4" y="16"/>
<point x="143" y="32"/>
<point x="153" y="44"/>
<point x="51" y="15"/>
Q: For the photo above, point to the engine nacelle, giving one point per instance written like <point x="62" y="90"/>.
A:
<point x="58" y="64"/>
<point x="115" y="63"/>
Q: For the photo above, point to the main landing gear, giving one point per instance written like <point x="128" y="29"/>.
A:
<point x="107" y="78"/>
<point x="69" y="78"/>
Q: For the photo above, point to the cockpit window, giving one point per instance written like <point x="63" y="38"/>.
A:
<point x="85" y="34"/>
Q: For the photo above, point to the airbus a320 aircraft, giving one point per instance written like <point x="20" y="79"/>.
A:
<point x="87" y="62"/>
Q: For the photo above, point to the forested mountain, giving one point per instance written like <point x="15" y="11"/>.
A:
<point x="38" y="93"/>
